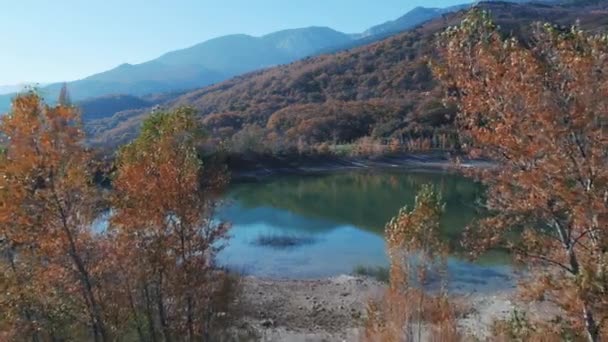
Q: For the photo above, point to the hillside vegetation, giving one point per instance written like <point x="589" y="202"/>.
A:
<point x="223" y="57"/>
<point x="382" y="90"/>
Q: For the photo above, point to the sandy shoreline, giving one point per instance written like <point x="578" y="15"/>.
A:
<point x="333" y="309"/>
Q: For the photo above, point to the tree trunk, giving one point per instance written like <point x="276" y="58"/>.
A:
<point x="185" y="274"/>
<point x="190" y="318"/>
<point x="161" y="309"/>
<point x="140" y="331"/>
<point x="151" y="324"/>
<point x="97" y="321"/>
<point x="85" y="279"/>
<point x="590" y="325"/>
<point x="26" y="310"/>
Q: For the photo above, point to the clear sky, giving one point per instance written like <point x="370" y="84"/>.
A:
<point x="63" y="40"/>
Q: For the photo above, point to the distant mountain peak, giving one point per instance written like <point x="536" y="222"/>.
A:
<point x="415" y="17"/>
<point x="223" y="57"/>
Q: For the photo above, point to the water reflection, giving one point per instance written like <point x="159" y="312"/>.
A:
<point x="341" y="217"/>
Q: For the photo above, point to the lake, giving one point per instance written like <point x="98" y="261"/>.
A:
<point x="304" y="227"/>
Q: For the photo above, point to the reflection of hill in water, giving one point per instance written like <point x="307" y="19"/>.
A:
<point x="364" y="199"/>
<point x="287" y="220"/>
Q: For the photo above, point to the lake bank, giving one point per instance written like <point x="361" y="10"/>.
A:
<point x="253" y="168"/>
<point x="334" y="309"/>
<point x="286" y="228"/>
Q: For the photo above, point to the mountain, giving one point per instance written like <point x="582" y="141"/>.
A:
<point x="202" y="64"/>
<point x="241" y="53"/>
<point x="6" y="90"/>
<point x="383" y="90"/>
<point x="103" y="106"/>
<point x="14" y="88"/>
<point x="412" y="18"/>
<point x="219" y="59"/>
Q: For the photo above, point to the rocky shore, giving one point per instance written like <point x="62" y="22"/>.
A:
<point x="334" y="309"/>
<point x="256" y="167"/>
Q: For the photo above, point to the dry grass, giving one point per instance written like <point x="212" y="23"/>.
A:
<point x="411" y="315"/>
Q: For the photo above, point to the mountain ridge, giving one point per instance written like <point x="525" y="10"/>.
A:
<point x="206" y="63"/>
<point x="383" y="89"/>
<point x="216" y="60"/>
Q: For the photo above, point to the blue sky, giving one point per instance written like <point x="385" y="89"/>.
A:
<point x="62" y="40"/>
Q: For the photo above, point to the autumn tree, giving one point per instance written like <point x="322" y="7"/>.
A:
<point x="539" y="109"/>
<point x="47" y="204"/>
<point x="163" y="207"/>
<point x="409" y="310"/>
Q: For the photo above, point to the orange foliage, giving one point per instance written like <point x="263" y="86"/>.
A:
<point x="47" y="204"/>
<point x="391" y="76"/>
<point x="163" y="223"/>
<point x="151" y="272"/>
<point x="540" y="111"/>
<point x="407" y="312"/>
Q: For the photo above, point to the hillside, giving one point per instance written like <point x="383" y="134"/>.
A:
<point x="241" y="53"/>
<point x="219" y="59"/>
<point x="411" y="19"/>
<point x="381" y="90"/>
<point x="13" y="88"/>
<point x="203" y="64"/>
<point x="101" y="107"/>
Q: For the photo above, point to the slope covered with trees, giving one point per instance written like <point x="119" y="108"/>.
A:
<point x="383" y="90"/>
<point x="223" y="57"/>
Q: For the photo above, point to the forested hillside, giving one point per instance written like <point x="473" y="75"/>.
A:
<point x="221" y="58"/>
<point x="382" y="90"/>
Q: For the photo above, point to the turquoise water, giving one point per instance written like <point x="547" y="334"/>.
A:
<point x="324" y="225"/>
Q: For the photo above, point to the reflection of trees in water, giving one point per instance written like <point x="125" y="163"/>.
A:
<point x="271" y="216"/>
<point x="363" y="198"/>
